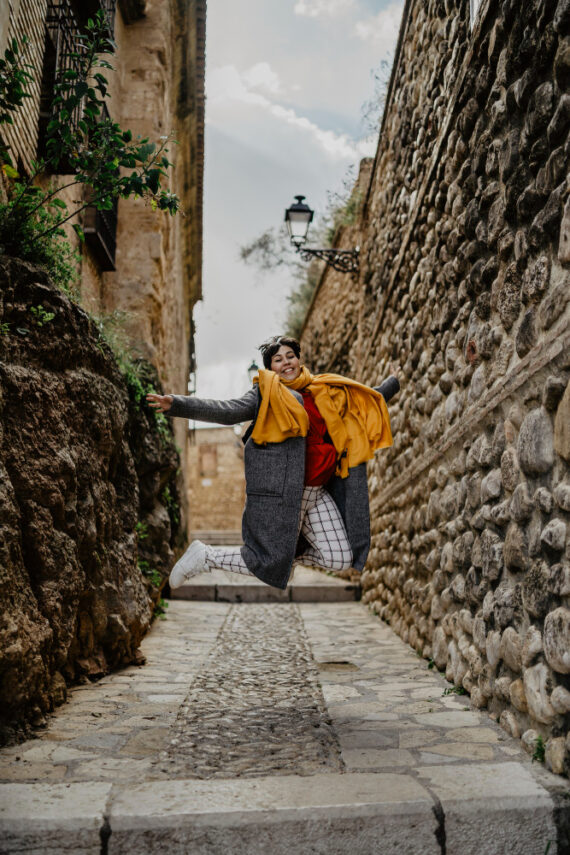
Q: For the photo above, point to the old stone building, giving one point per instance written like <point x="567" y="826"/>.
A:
<point x="142" y="263"/>
<point x="465" y="281"/>
<point x="216" y="491"/>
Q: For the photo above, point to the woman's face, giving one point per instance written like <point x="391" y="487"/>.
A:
<point x="285" y="363"/>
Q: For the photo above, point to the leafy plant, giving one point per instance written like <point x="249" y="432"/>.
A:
<point x="33" y="234"/>
<point x="160" y="609"/>
<point x="454" y="690"/>
<point x="141" y="529"/>
<point x="84" y="143"/>
<point x="431" y="664"/>
<point x="539" y="750"/>
<point x="150" y="573"/>
<point x="171" y="505"/>
<point x="41" y="316"/>
<point x="5" y="328"/>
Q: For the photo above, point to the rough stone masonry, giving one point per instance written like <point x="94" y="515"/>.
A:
<point x="465" y="280"/>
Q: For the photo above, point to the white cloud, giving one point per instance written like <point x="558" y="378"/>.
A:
<point x="262" y="76"/>
<point x="382" y="30"/>
<point x="315" y="8"/>
<point x="227" y="84"/>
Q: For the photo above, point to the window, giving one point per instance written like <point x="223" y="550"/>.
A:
<point x="64" y="21"/>
<point x="208" y="460"/>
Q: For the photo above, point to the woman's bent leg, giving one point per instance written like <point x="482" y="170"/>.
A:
<point x="323" y="528"/>
<point x="200" y="558"/>
<point x="226" y="558"/>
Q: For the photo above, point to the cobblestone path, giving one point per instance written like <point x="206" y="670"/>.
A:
<point x="256" y="706"/>
<point x="223" y="743"/>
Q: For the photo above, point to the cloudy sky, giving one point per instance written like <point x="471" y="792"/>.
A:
<point x="285" y="84"/>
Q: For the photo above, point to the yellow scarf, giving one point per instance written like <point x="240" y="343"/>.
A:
<point x="356" y="416"/>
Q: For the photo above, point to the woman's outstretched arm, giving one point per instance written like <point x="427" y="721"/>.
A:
<point x="230" y="412"/>
<point x="388" y="387"/>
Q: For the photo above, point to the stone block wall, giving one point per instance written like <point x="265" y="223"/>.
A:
<point x="216" y="495"/>
<point x="465" y="281"/>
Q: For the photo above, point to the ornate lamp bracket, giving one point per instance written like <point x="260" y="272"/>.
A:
<point x="343" y="260"/>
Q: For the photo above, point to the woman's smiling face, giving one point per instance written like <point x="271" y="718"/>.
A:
<point x="285" y="363"/>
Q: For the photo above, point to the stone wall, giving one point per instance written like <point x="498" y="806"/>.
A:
<point x="216" y="495"/>
<point x="87" y="503"/>
<point x="465" y="281"/>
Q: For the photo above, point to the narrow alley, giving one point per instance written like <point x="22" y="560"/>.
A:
<point x="258" y="726"/>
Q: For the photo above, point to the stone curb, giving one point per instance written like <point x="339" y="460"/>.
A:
<point x="236" y="593"/>
<point x="439" y="811"/>
<point x="50" y="819"/>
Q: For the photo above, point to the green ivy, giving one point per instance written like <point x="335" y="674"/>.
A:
<point x="160" y="609"/>
<point x="149" y="573"/>
<point x="141" y="529"/>
<point x="539" y="750"/>
<point x="40" y="315"/>
<point x="171" y="505"/>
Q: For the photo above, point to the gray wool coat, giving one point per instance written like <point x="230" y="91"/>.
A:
<point x="274" y="478"/>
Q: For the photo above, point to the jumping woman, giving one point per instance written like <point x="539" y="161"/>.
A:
<point x="305" y="468"/>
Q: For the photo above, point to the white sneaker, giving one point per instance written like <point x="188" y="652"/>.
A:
<point x="191" y="564"/>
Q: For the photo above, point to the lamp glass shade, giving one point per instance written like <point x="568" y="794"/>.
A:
<point x="252" y="370"/>
<point x="298" y="218"/>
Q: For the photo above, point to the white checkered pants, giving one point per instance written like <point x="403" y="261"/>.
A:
<point x="321" y="525"/>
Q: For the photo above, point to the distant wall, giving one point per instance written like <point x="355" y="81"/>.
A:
<point x="465" y="281"/>
<point x="216" y="495"/>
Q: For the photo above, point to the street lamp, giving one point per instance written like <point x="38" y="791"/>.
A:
<point x="252" y="371"/>
<point x="298" y="218"/>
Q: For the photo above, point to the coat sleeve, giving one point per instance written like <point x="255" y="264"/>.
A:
<point x="230" y="412"/>
<point x="388" y="388"/>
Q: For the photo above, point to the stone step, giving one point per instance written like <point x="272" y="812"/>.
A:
<point x="307" y="586"/>
<point x="218" y="538"/>
<point x="487" y="811"/>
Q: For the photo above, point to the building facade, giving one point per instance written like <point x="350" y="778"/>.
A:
<point x="465" y="282"/>
<point x="216" y="479"/>
<point x="141" y="264"/>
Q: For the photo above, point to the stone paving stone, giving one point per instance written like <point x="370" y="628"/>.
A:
<point x="256" y="708"/>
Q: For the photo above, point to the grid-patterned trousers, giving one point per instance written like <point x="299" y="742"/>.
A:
<point x="322" y="527"/>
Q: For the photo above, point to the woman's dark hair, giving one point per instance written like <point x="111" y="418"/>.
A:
<point x="270" y="347"/>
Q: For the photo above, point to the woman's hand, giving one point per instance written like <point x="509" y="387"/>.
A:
<point x="161" y="403"/>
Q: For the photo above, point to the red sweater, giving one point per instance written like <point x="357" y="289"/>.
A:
<point x="320" y="455"/>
